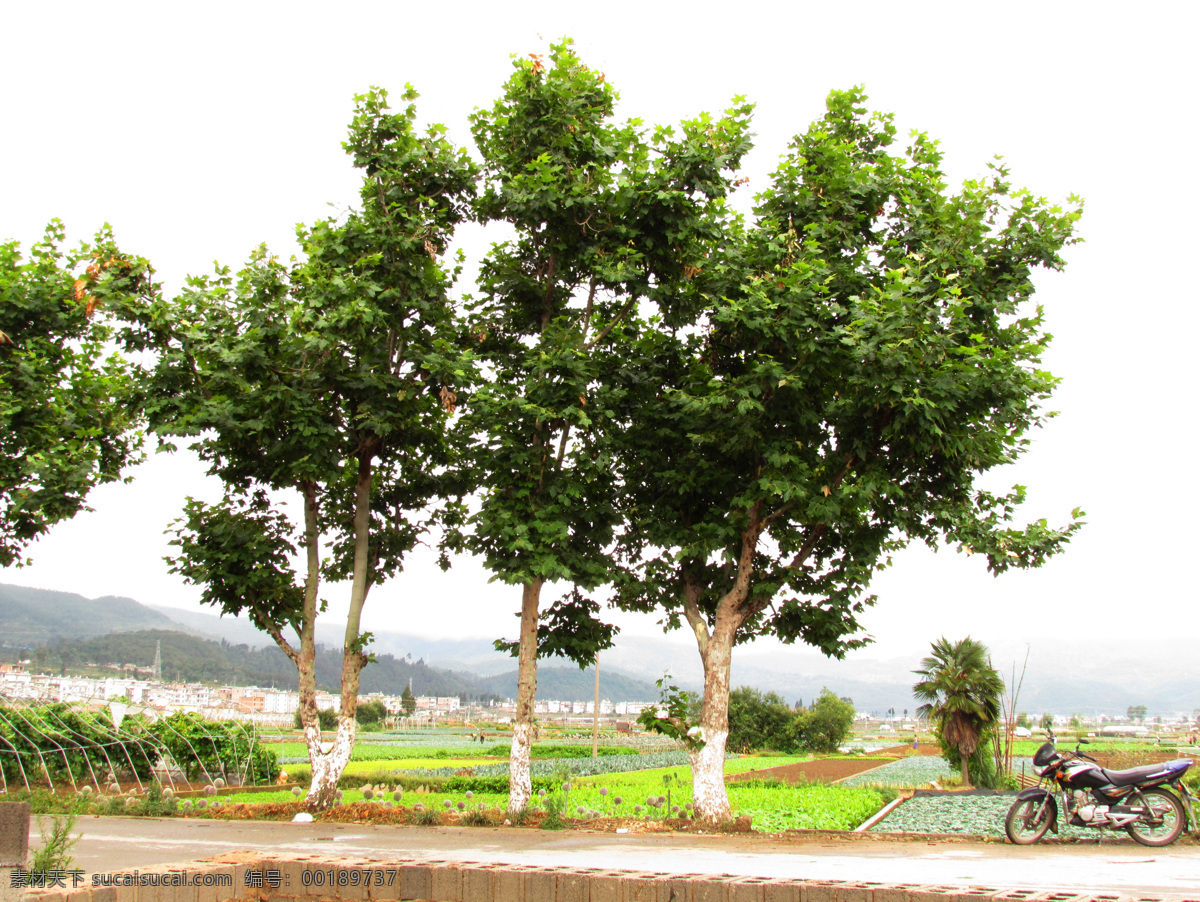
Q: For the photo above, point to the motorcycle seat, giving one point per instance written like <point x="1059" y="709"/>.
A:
<point x="1134" y="774"/>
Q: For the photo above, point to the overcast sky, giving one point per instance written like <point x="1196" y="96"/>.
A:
<point x="201" y="130"/>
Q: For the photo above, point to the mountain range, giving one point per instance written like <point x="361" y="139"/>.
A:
<point x="1062" y="678"/>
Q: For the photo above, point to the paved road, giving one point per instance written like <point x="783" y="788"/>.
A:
<point x="115" y="843"/>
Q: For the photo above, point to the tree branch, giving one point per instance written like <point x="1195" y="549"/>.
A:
<point x="691" y="610"/>
<point x="273" y="630"/>
<point x="612" y="324"/>
<point x="587" y="315"/>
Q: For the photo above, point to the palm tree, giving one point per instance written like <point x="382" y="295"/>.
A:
<point x="961" y="691"/>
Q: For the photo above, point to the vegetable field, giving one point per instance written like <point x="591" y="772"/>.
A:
<point x="957" y="812"/>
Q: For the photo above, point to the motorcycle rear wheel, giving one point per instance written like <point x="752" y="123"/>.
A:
<point x="1162" y="823"/>
<point x="1027" y="821"/>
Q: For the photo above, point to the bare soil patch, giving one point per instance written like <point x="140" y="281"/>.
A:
<point x="823" y="770"/>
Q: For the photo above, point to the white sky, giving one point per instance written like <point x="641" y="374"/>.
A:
<point x="200" y="131"/>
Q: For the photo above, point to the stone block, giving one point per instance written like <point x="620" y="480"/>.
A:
<point x="508" y="885"/>
<point x="1012" y="895"/>
<point x="49" y="895"/>
<point x="571" y="885"/>
<point x="641" y="887"/>
<point x="414" y="881"/>
<point x="943" y="893"/>
<point x="890" y="892"/>
<point x="221" y="884"/>
<point x="677" y="887"/>
<point x="747" y="889"/>
<point x="821" y="891"/>
<point x="127" y="893"/>
<point x="445" y="882"/>
<point x="540" y="885"/>
<point x="712" y="889"/>
<point x="868" y="891"/>
<point x="478" y="882"/>
<point x="609" y="886"/>
<point x="979" y="893"/>
<point x="782" y="890"/>
<point x="14" y="834"/>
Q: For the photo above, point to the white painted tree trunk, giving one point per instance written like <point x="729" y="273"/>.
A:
<point x="520" y="778"/>
<point x="328" y="764"/>
<point x="709" y="799"/>
<point x="520" y="784"/>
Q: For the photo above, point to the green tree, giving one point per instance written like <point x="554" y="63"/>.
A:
<point x="408" y="701"/>
<point x="1047" y="722"/>
<point x="854" y="359"/>
<point x="1136" y="713"/>
<point x="825" y="725"/>
<point x="961" y="691"/>
<point x="1023" y="719"/>
<point x="371" y="712"/>
<point x="332" y="380"/>
<point x="604" y="220"/>
<point x="759" y="720"/>
<point x="67" y="417"/>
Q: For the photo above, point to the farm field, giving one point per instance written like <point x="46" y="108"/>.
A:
<point x="957" y="812"/>
<point x="442" y="776"/>
<point x="651" y="794"/>
<point x="819" y="769"/>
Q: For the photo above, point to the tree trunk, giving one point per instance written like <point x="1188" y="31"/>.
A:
<point x="520" y="784"/>
<point x="709" y="798"/>
<point x="965" y="756"/>
<point x="328" y="764"/>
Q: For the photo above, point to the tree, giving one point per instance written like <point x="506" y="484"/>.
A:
<point x="1023" y="719"/>
<point x="825" y="725"/>
<point x="408" y="701"/>
<point x="1136" y="713"/>
<point x="854" y="359"/>
<point x="332" y="380"/>
<point x="604" y="221"/>
<point x="67" y="417"/>
<point x="371" y="712"/>
<point x="1047" y="722"/>
<point x="760" y="720"/>
<point x="961" y="691"/>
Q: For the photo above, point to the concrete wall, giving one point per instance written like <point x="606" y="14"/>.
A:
<point x="257" y="878"/>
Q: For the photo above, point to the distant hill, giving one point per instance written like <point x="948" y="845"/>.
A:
<point x="194" y="659"/>
<point x="573" y="684"/>
<point x="1064" y="676"/>
<point x="32" y="617"/>
<point x="188" y="658"/>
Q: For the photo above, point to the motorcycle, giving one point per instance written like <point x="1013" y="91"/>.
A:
<point x="1134" y="800"/>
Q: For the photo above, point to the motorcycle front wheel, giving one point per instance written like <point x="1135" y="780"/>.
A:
<point x="1161" y="820"/>
<point x="1027" y="821"/>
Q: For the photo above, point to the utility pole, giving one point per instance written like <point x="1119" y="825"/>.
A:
<point x="596" y="713"/>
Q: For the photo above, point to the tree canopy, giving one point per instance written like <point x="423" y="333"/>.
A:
<point x="331" y="379"/>
<point x="859" y="354"/>
<point x="67" y="418"/>
<point x="606" y="218"/>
